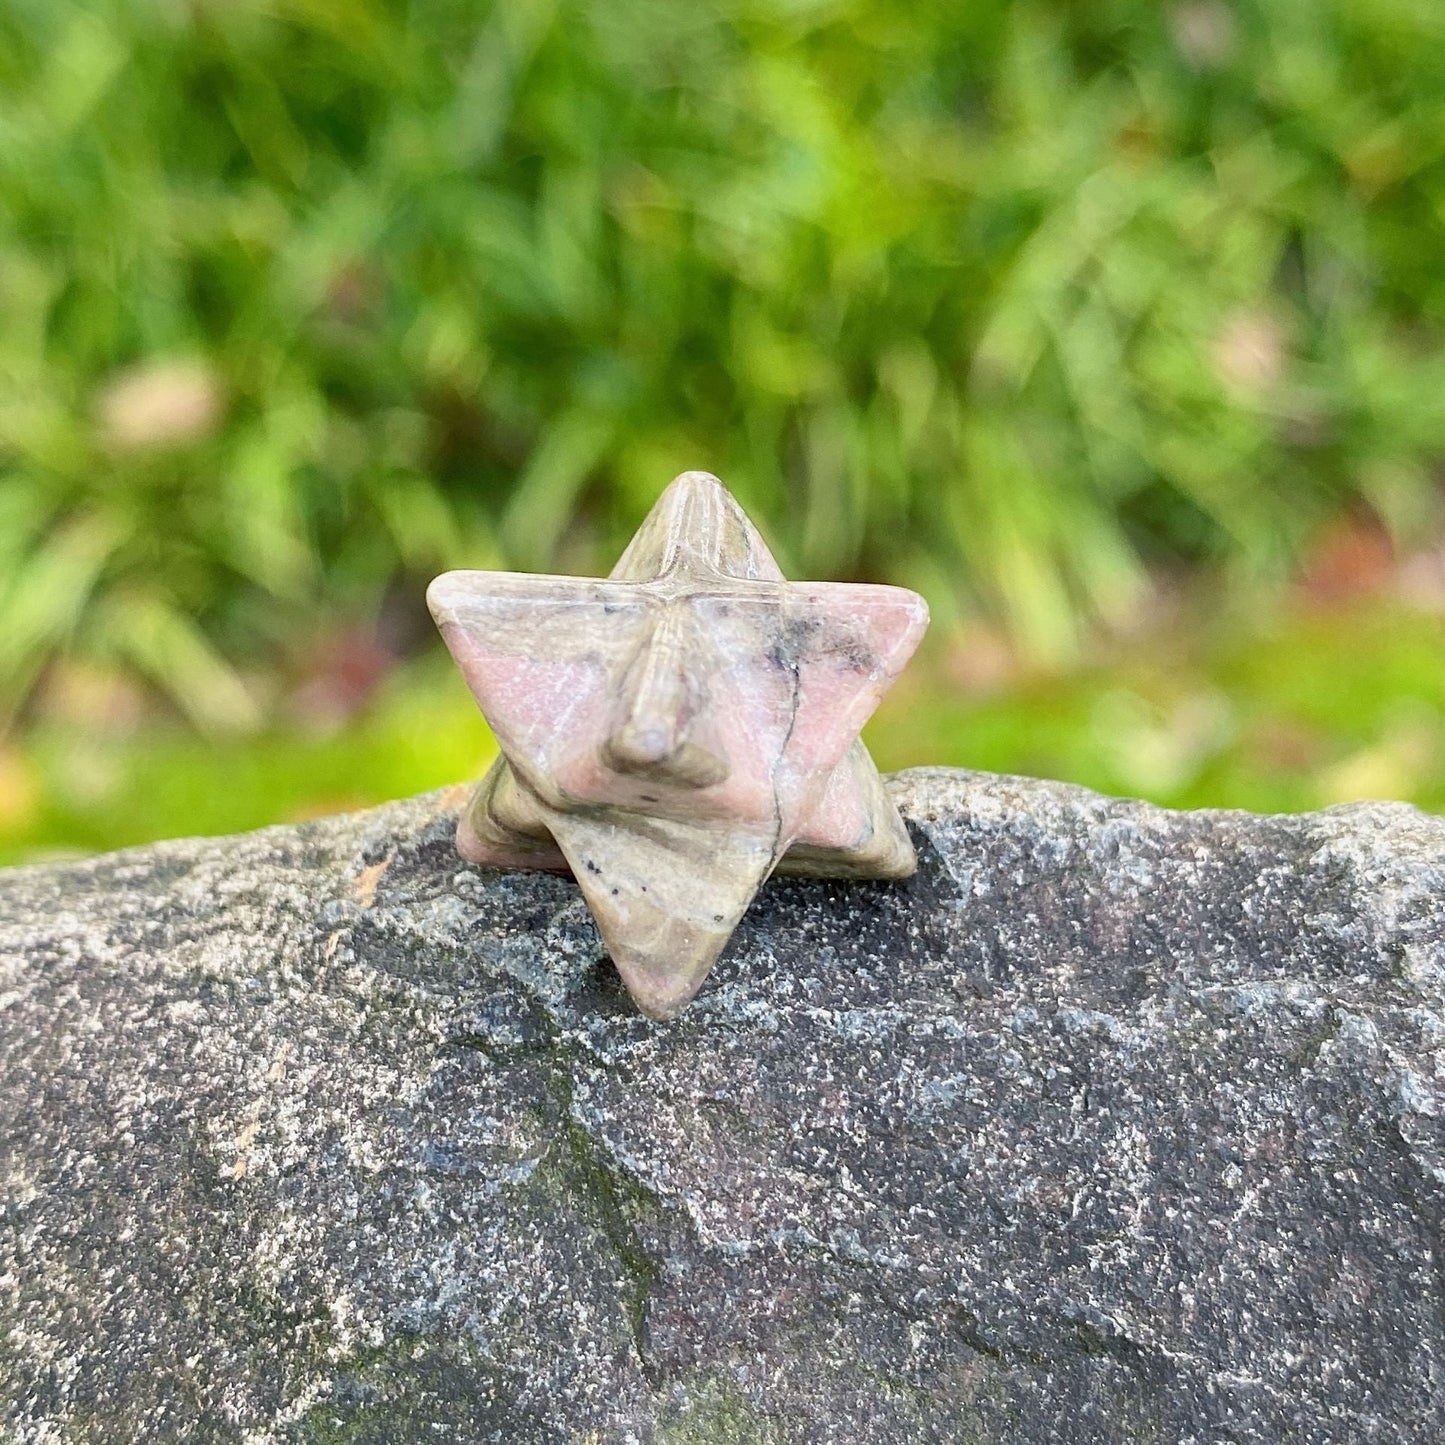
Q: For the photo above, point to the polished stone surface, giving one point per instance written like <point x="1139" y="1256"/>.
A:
<point x="673" y="734"/>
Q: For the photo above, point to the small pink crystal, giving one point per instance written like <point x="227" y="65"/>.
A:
<point x="672" y="734"/>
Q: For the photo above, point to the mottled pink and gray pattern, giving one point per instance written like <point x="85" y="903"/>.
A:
<point x="676" y="732"/>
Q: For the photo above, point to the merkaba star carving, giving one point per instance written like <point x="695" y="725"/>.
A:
<point x="674" y="733"/>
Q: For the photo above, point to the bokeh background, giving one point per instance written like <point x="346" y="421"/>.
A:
<point x="1113" y="326"/>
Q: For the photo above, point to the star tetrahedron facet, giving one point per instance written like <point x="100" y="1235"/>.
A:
<point x="674" y="733"/>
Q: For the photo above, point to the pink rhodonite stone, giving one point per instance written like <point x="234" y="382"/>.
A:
<point x="674" y="733"/>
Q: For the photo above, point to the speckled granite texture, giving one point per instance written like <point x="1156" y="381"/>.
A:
<point x="1111" y="1124"/>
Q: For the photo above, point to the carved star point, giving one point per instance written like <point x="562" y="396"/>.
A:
<point x="675" y="732"/>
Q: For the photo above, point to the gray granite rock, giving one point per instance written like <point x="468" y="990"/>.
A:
<point x="1112" y="1124"/>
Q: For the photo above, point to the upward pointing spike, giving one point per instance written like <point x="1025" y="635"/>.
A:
<point x="697" y="521"/>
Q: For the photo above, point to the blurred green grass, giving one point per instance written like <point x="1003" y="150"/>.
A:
<point x="1305" y="710"/>
<point x="1028" y="304"/>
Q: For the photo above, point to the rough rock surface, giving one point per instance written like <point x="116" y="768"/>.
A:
<point x="1112" y="1124"/>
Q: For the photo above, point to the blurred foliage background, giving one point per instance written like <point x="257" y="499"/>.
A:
<point x="1113" y="327"/>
